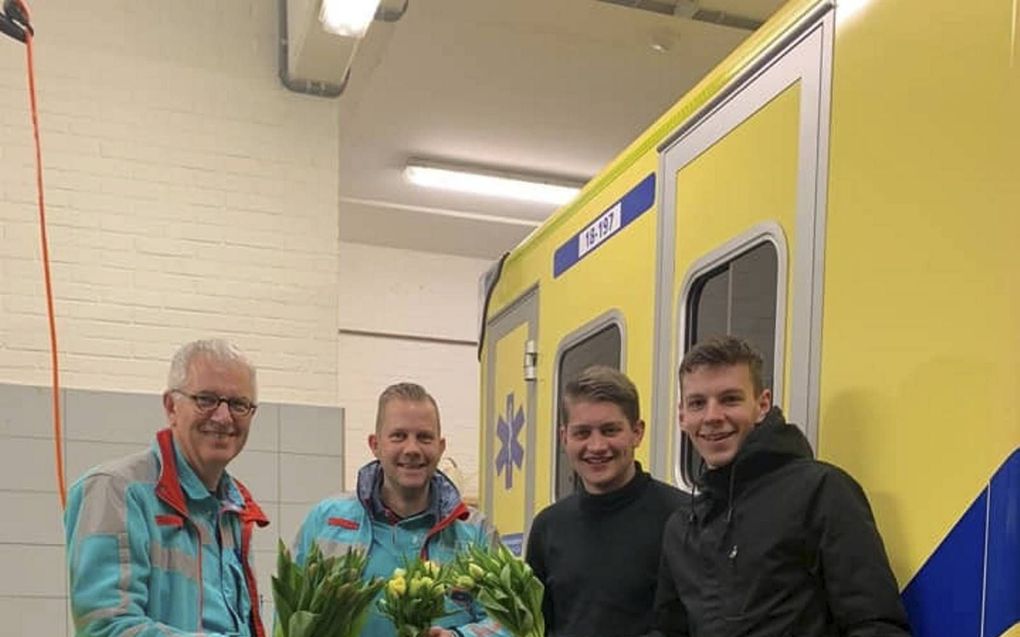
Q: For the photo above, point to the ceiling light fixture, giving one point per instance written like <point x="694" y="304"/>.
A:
<point x="493" y="183"/>
<point x="349" y="18"/>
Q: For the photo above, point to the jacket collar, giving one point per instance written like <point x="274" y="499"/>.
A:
<point x="178" y="483"/>
<point x="445" y="503"/>
<point x="168" y="486"/>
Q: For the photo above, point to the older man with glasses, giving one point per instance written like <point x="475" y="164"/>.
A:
<point x="159" y="542"/>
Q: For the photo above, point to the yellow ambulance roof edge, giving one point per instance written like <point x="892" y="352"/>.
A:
<point x="757" y="44"/>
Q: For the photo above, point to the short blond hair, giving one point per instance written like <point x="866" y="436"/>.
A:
<point x="601" y="383"/>
<point x="412" y="392"/>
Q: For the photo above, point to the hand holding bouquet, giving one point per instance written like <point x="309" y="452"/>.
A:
<point x="325" y="598"/>
<point x="415" y="597"/>
<point x="505" y="586"/>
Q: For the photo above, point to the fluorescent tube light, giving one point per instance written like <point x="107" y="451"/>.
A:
<point x="349" y="18"/>
<point x="490" y="183"/>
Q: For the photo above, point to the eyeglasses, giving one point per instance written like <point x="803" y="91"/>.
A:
<point x="207" y="402"/>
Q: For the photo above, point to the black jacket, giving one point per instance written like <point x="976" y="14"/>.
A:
<point x="777" y="544"/>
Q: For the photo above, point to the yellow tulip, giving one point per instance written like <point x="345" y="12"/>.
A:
<point x="397" y="586"/>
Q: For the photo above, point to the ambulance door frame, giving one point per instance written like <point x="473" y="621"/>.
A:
<point x="804" y="54"/>
<point x="523" y="309"/>
<point x="581" y="334"/>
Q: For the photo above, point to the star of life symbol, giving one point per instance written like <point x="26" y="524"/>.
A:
<point x="510" y="452"/>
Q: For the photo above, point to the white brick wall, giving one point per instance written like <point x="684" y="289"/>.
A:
<point x="415" y="293"/>
<point x="188" y="194"/>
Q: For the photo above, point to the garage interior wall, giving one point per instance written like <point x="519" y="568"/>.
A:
<point x="189" y="195"/>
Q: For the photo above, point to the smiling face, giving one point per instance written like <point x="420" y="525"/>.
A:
<point x="209" y="440"/>
<point x="719" y="408"/>
<point x="408" y="446"/>
<point x="600" y="441"/>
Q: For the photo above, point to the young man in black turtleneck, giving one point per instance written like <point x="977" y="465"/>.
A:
<point x="598" y="551"/>
<point x="775" y="543"/>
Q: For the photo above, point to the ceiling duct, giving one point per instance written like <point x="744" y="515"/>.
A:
<point x="692" y="11"/>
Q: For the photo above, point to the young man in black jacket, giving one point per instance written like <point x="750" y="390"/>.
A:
<point x="776" y="543"/>
<point x="597" y="551"/>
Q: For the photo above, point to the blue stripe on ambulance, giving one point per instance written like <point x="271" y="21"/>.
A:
<point x="611" y="221"/>
<point x="974" y="574"/>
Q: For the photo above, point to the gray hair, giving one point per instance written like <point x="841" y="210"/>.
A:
<point x="217" y="349"/>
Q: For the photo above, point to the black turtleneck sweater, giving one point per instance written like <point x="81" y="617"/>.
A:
<point x="598" y="556"/>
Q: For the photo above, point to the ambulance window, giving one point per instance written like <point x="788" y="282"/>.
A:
<point x="736" y="297"/>
<point x="600" y="348"/>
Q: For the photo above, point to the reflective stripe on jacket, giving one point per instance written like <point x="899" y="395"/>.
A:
<point x="152" y="553"/>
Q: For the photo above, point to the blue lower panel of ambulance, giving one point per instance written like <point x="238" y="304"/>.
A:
<point x="972" y="581"/>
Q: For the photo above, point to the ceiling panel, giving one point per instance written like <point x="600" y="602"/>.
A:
<point x="548" y="86"/>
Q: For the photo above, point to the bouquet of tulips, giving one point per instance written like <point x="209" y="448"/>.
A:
<point x="325" y="598"/>
<point x="415" y="597"/>
<point x="505" y="587"/>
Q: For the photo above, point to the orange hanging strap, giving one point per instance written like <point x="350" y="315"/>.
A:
<point x="17" y="11"/>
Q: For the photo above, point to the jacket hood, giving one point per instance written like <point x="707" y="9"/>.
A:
<point x="774" y="437"/>
<point x="771" y="444"/>
<point x="444" y="498"/>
